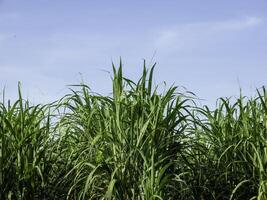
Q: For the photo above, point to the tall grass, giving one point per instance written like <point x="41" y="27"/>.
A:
<point x="234" y="137"/>
<point x="25" y="143"/>
<point x="137" y="144"/>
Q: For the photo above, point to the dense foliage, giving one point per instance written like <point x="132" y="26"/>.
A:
<point x="138" y="144"/>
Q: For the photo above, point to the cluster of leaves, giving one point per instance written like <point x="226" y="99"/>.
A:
<point x="137" y="144"/>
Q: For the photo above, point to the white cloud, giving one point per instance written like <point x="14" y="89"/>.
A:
<point x="2" y="37"/>
<point x="8" y="16"/>
<point x="189" y="35"/>
<point x="236" y="25"/>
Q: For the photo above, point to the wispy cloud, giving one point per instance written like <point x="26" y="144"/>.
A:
<point x="3" y="38"/>
<point x="236" y="25"/>
<point x="8" y="16"/>
<point x="185" y="35"/>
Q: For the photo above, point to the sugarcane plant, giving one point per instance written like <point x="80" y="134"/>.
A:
<point x="142" y="142"/>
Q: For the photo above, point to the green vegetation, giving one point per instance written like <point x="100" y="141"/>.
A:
<point x="138" y="144"/>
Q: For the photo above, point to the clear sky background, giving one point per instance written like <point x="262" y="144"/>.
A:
<point x="210" y="47"/>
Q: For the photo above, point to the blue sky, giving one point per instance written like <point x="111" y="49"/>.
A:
<point x="210" y="47"/>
